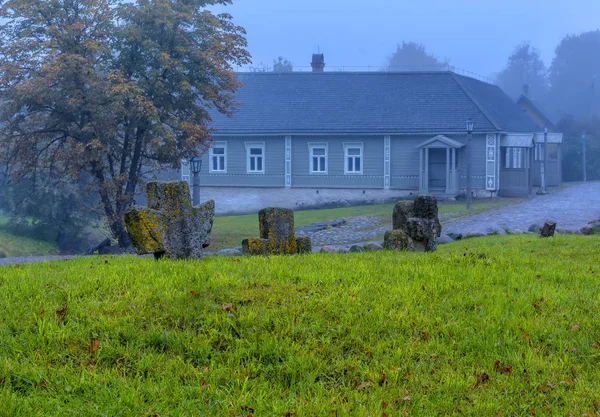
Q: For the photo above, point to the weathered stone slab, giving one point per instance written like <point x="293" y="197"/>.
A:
<point x="403" y="210"/>
<point x="303" y="245"/>
<point x="277" y="237"/>
<point x="548" y="229"/>
<point x="254" y="246"/>
<point x="170" y="226"/>
<point x="418" y="221"/>
<point x="398" y="240"/>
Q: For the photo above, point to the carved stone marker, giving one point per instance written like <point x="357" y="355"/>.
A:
<point x="277" y="235"/>
<point x="548" y="229"/>
<point x="416" y="225"/>
<point x="170" y="226"/>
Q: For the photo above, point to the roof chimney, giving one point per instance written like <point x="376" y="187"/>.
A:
<point x="318" y="63"/>
<point x="526" y="90"/>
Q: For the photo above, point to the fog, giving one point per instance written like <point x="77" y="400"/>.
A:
<point x="477" y="36"/>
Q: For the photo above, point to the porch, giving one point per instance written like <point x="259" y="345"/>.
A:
<point x="438" y="166"/>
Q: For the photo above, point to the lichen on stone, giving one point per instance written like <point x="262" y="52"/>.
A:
<point x="170" y="225"/>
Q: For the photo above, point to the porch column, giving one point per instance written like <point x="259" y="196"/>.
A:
<point x="448" y="170"/>
<point x="426" y="185"/>
<point x="454" y="185"/>
<point x="288" y="161"/>
<point x="386" y="162"/>
<point x="421" y="172"/>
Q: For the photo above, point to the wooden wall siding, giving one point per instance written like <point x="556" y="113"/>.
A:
<point x="242" y="180"/>
<point x="237" y="175"/>
<point x="405" y="182"/>
<point x="405" y="158"/>
<point x="514" y="183"/>
<point x="372" y="156"/>
<point x="338" y="181"/>
<point x="477" y="182"/>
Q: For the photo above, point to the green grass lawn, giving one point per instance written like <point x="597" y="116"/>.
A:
<point x="229" y="231"/>
<point x="496" y="326"/>
<point x="12" y="245"/>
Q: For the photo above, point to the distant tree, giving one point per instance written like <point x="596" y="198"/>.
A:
<point x="281" y="64"/>
<point x="49" y="209"/>
<point x="572" y="160"/>
<point x="411" y="56"/>
<point x="259" y="67"/>
<point x="524" y="67"/>
<point x="575" y="76"/>
<point x="96" y="90"/>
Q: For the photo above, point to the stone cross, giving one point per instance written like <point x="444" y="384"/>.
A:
<point x="277" y="235"/>
<point x="416" y="226"/>
<point x="170" y="226"/>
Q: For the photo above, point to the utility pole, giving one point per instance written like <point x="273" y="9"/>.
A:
<point x="583" y="144"/>
<point x="542" y="189"/>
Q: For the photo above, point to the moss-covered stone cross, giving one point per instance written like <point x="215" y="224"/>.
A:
<point x="170" y="225"/>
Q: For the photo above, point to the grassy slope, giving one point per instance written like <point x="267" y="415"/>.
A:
<point x="229" y="231"/>
<point x="12" y="245"/>
<point x="311" y="335"/>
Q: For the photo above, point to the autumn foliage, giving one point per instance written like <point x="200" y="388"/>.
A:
<point x="102" y="91"/>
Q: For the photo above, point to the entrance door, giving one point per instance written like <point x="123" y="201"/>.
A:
<point x="437" y="169"/>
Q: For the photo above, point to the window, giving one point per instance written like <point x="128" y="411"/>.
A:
<point x="353" y="155"/>
<point x="515" y="158"/>
<point x="552" y="152"/>
<point x="218" y="157"/>
<point x="318" y="158"/>
<point x="185" y="171"/>
<point x="255" y="156"/>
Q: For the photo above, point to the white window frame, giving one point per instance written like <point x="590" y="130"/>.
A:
<point x="311" y="148"/>
<point x="186" y="171"/>
<point x="212" y="155"/>
<point x="255" y="145"/>
<point x="348" y="146"/>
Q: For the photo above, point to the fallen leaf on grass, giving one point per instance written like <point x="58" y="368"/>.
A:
<point x="194" y="293"/>
<point x="482" y="379"/>
<point x="532" y="411"/>
<point x="384" y="405"/>
<point x="384" y="414"/>
<point x="507" y="370"/>
<point x="527" y="337"/>
<point x="596" y="345"/>
<point x="247" y="408"/>
<point x="289" y="414"/>
<point x="575" y="327"/>
<point x="203" y="382"/>
<point x="364" y="385"/>
<point x="62" y="314"/>
<point x="406" y="398"/>
<point x="497" y="365"/>
<point x="1" y="381"/>
<point x="93" y="346"/>
<point x="227" y="307"/>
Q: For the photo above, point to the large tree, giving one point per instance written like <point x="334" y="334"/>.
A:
<point x="98" y="90"/>
<point x="575" y="76"/>
<point x="411" y="56"/>
<point x="524" y="67"/>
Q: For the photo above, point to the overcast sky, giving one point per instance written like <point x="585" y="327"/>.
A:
<point x="475" y="35"/>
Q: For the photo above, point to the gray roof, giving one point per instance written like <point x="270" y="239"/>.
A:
<point x="369" y="102"/>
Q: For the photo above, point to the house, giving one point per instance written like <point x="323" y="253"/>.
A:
<point x="554" y="143"/>
<point x="311" y="139"/>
